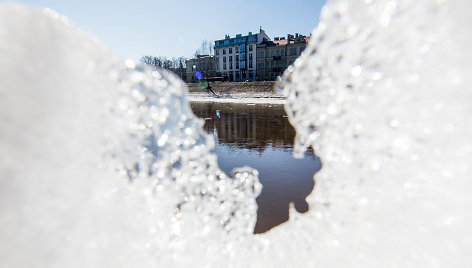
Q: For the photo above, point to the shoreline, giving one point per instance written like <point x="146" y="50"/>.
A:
<point x="238" y="98"/>
<point x="237" y="92"/>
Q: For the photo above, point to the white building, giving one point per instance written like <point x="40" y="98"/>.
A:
<point x="236" y="57"/>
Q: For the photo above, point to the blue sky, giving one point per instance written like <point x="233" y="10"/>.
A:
<point x="132" y="29"/>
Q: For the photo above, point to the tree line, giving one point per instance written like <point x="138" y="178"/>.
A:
<point x="177" y="65"/>
<point x="206" y="48"/>
<point x="164" y="62"/>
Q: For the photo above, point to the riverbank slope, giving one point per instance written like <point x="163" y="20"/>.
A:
<point x="263" y="89"/>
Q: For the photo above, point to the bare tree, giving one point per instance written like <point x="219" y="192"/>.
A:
<point x="206" y="48"/>
<point x="176" y="65"/>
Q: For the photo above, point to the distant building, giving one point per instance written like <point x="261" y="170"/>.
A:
<point x="255" y="56"/>
<point x="236" y="57"/>
<point x="273" y="57"/>
<point x="205" y="64"/>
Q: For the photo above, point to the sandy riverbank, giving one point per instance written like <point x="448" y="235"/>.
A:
<point x="237" y="92"/>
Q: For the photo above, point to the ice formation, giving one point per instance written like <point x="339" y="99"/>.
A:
<point x="383" y="95"/>
<point x="103" y="163"/>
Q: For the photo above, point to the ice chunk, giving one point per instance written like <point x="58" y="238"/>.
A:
<point x="382" y="93"/>
<point x="102" y="161"/>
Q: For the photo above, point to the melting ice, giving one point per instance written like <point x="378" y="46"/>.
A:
<point x="103" y="163"/>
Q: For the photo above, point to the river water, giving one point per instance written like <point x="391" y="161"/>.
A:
<point x="260" y="136"/>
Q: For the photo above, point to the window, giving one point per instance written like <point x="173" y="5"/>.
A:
<point x="237" y="65"/>
<point x="271" y="53"/>
<point x="236" y="49"/>
<point x="230" y="65"/>
<point x="250" y="64"/>
<point x="217" y="51"/>
<point x="230" y="50"/>
<point x="301" y="49"/>
<point x="230" y="58"/>
<point x="282" y="52"/>
<point x="277" y="53"/>
<point x="224" y="51"/>
<point x="224" y="66"/>
<point x="260" y="66"/>
<point x="250" y="56"/>
<point x="217" y="60"/>
<point x="237" y="58"/>
<point x="224" y="59"/>
<point x="242" y="48"/>
<point x="293" y="51"/>
<point x="250" y="47"/>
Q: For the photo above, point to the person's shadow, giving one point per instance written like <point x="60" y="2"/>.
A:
<point x="273" y="202"/>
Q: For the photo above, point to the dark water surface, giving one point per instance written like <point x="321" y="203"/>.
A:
<point x="261" y="136"/>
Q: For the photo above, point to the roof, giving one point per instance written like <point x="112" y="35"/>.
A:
<point x="285" y="41"/>
<point x="281" y="42"/>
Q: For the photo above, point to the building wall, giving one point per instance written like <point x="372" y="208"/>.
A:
<point x="273" y="58"/>
<point x="189" y="71"/>
<point x="228" y="60"/>
<point x="237" y="57"/>
<point x="204" y="64"/>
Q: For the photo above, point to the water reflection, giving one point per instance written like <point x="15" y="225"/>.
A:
<point x="261" y="136"/>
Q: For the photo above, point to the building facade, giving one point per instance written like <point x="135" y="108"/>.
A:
<point x="273" y="57"/>
<point x="236" y="57"/>
<point x="205" y="64"/>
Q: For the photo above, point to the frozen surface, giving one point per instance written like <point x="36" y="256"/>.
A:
<point x="103" y="164"/>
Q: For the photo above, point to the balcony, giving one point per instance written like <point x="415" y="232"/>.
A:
<point x="277" y="57"/>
